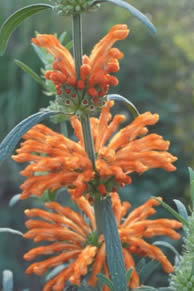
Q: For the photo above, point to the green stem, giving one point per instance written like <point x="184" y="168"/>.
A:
<point x="98" y="214"/>
<point x="77" y="43"/>
<point x="88" y="140"/>
<point x="84" y="118"/>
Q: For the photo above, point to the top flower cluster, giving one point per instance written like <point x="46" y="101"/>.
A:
<point x="95" y="71"/>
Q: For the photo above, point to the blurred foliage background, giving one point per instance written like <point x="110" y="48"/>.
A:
<point x="157" y="75"/>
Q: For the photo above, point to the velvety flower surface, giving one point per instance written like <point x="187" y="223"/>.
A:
<point x="70" y="241"/>
<point x="95" y="71"/>
<point x="56" y="161"/>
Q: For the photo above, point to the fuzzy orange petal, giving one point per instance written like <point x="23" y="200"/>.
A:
<point x="98" y="264"/>
<point x="59" y="52"/>
<point x="81" y="264"/>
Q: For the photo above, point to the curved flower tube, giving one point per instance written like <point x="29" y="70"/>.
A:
<point x="70" y="240"/>
<point x="95" y="71"/>
<point x="56" y="161"/>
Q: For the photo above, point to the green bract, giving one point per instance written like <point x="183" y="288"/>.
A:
<point x="72" y="7"/>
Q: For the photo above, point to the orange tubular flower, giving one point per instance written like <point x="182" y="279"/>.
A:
<point x="70" y="239"/>
<point x="61" y="162"/>
<point x="58" y="160"/>
<point x="95" y="78"/>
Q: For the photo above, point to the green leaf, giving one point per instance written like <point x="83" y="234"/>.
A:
<point x="181" y="209"/>
<point x="113" y="246"/>
<point x="140" y="265"/>
<point x="13" y="137"/>
<point x="7" y="280"/>
<point x="146" y="288"/>
<point x="128" y="275"/>
<point x="28" y="70"/>
<point x="10" y="230"/>
<point x="135" y="12"/>
<point x="147" y="270"/>
<point x="167" y="245"/>
<point x="124" y="100"/>
<point x="62" y="37"/>
<point x="55" y="271"/>
<point x="15" y="19"/>
<point x="14" y="200"/>
<point x="166" y="289"/>
<point x="105" y="281"/>
<point x="191" y="174"/>
<point x="172" y="211"/>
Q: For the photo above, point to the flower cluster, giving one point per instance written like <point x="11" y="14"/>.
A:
<point x="61" y="162"/>
<point x="89" y="92"/>
<point x="70" y="240"/>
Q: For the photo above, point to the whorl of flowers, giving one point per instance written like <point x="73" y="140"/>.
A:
<point x="61" y="162"/>
<point x="88" y="93"/>
<point x="72" y="240"/>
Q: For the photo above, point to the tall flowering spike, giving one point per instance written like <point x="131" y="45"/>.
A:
<point x="61" y="162"/>
<point x="88" y="93"/>
<point x="68" y="241"/>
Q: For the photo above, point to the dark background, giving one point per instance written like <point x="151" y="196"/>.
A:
<point x="157" y="75"/>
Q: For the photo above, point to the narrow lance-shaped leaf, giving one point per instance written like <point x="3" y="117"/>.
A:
<point x="14" y="200"/>
<point x="181" y="209"/>
<point x="146" y="288"/>
<point x="28" y="70"/>
<point x="147" y="270"/>
<point x="167" y="245"/>
<point x="15" y="19"/>
<point x="172" y="211"/>
<point x="134" y="11"/>
<point x="7" y="280"/>
<point x="191" y="174"/>
<point x="13" y="137"/>
<point x="113" y="246"/>
<point x="10" y="230"/>
<point x="126" y="102"/>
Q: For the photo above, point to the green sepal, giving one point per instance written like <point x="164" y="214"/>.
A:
<point x="173" y="212"/>
<point x="10" y="230"/>
<point x="113" y="246"/>
<point x="181" y="209"/>
<point x="128" y="275"/>
<point x="7" y="280"/>
<point x="47" y="195"/>
<point x="135" y="12"/>
<point x="167" y="245"/>
<point x="103" y="280"/>
<point x="15" y="19"/>
<point x="10" y="141"/>
<point x="29" y="71"/>
<point x="127" y="103"/>
<point x="191" y="174"/>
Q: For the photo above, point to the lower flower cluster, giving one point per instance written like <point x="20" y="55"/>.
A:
<point x="72" y="240"/>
